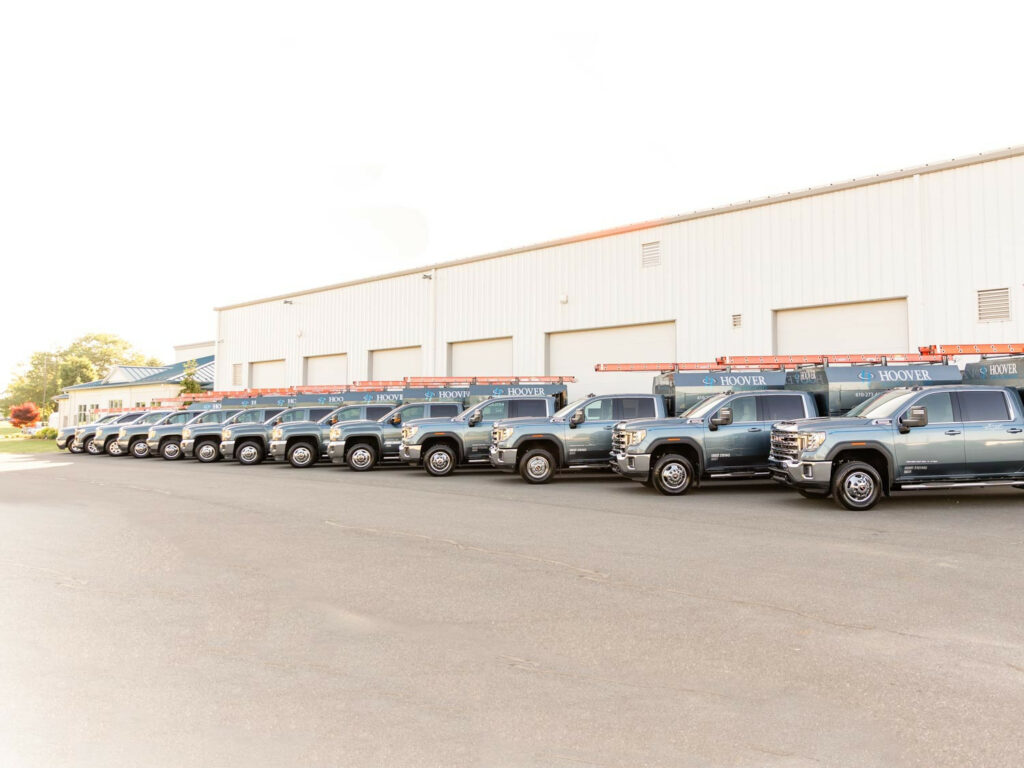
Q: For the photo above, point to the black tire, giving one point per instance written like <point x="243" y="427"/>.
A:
<point x="138" y="448"/>
<point x="812" y="494"/>
<point x="440" y="460"/>
<point x="111" y="448"/>
<point x="91" y="448"/>
<point x="361" y="457"/>
<point x="206" y="451"/>
<point x="856" y="486"/>
<point x="537" y="466"/>
<point x="303" y="454"/>
<point x="72" y="449"/>
<point x="170" y="450"/>
<point x="672" y="475"/>
<point x="250" y="453"/>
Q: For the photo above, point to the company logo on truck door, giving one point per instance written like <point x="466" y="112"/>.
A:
<point x="898" y="374"/>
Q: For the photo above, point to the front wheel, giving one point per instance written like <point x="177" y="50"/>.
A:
<point x="207" y="452"/>
<point x="856" y="485"/>
<point x="138" y="449"/>
<point x="361" y="457"/>
<point x="112" y="448"/>
<point x="91" y="448"/>
<point x="439" y="460"/>
<point x="250" y="453"/>
<point x="302" y="455"/>
<point x="672" y="475"/>
<point x="170" y="450"/>
<point x="537" y="466"/>
<point x="72" y="448"/>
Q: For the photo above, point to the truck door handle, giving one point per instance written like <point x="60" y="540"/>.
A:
<point x="952" y="431"/>
<point x="1014" y="430"/>
<point x="754" y="429"/>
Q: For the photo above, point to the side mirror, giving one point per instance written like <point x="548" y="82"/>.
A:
<point x="334" y="420"/>
<point x="577" y="418"/>
<point x="917" y="416"/>
<point x="723" y="419"/>
<point x="396" y="419"/>
<point x="474" y="418"/>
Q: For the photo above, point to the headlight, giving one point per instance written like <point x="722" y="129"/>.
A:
<point x="503" y="433"/>
<point x="225" y="434"/>
<point x="152" y="433"/>
<point x="635" y="436"/>
<point x="122" y="432"/>
<point x="276" y="433"/>
<point x="335" y="433"/>
<point x="409" y="432"/>
<point x="99" y="433"/>
<point x="811" y="441"/>
<point x="186" y="433"/>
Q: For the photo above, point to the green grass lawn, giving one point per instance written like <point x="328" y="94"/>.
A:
<point x="7" y="429"/>
<point x="24" y="445"/>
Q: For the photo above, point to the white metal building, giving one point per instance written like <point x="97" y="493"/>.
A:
<point x="926" y="255"/>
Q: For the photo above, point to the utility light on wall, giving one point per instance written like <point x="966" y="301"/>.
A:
<point x="563" y="298"/>
<point x="287" y="301"/>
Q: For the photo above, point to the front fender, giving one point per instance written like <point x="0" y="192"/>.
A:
<point x="866" y="445"/>
<point x="545" y="435"/>
<point x="691" y="442"/>
<point x="433" y="435"/>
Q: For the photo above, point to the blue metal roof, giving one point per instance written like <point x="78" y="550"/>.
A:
<point x="166" y="374"/>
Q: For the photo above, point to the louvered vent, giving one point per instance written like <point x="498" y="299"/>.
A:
<point x="737" y="321"/>
<point x="236" y="375"/>
<point x="994" y="305"/>
<point x="650" y="254"/>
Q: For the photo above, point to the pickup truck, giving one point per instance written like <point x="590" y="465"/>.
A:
<point x="110" y="439"/>
<point x="725" y="437"/>
<point x="579" y="436"/>
<point x="902" y="440"/>
<point x="164" y="440"/>
<point x="361" y="445"/>
<point x="85" y="435"/>
<point x="202" y="441"/>
<point x="131" y="439"/>
<point x="304" y="443"/>
<point x="66" y="435"/>
<point x="250" y="443"/>
<point x="441" y="446"/>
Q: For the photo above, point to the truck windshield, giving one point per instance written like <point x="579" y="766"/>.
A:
<point x="561" y="413"/>
<point x="387" y="416"/>
<point x="884" y="405"/>
<point x="153" y="418"/>
<point x="703" y="408"/>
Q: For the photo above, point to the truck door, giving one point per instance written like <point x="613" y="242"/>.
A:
<point x="993" y="439"/>
<point x="935" y="451"/>
<point x="742" y="444"/>
<point x="591" y="441"/>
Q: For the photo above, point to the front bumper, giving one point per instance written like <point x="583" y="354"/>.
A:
<point x="816" y="475"/>
<point x="227" y="449"/>
<point x="122" y="443"/>
<point x="635" y="466"/>
<point x="410" y="453"/>
<point x="502" y="458"/>
<point x="154" y="446"/>
<point x="64" y="441"/>
<point x="336" y="452"/>
<point x="277" y="449"/>
<point x="187" y="447"/>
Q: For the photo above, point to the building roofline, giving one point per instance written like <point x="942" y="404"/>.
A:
<point x="865" y="181"/>
<point x="195" y="344"/>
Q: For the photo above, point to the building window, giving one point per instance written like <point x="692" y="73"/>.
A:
<point x="236" y="375"/>
<point x="115" y="404"/>
<point x="994" y="305"/>
<point x="737" y="321"/>
<point x="83" y="414"/>
<point x="650" y="254"/>
<point x="140" y="405"/>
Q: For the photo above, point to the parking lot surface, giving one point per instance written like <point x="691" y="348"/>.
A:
<point x="177" y="614"/>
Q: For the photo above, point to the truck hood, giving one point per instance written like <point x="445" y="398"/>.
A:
<point x="824" y="422"/>
<point x="429" y="420"/>
<point x="527" y="421"/>
<point x="671" y="422"/>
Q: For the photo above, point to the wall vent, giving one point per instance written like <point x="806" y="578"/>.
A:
<point x="650" y="254"/>
<point x="994" y="305"/>
<point x="236" y="375"/>
<point x="737" y="321"/>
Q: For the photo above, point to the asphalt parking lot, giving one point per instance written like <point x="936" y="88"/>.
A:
<point x="172" y="614"/>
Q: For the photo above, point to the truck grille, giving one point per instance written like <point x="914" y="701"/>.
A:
<point x="785" y="445"/>
<point x="618" y="441"/>
<point x="494" y="436"/>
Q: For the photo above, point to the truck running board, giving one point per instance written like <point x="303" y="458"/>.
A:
<point x="971" y="484"/>
<point x="716" y="475"/>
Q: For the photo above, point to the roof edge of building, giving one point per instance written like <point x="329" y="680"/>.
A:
<point x="864" y="181"/>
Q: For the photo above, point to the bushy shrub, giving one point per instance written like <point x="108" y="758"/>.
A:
<point x="46" y="433"/>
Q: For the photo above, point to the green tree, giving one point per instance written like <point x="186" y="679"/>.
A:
<point x="189" y="383"/>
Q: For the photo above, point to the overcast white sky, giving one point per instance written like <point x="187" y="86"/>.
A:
<point x="160" y="159"/>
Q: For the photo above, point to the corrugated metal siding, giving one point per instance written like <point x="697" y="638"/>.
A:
<point x="936" y="238"/>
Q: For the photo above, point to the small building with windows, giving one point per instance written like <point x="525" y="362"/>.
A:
<point x="128" y="386"/>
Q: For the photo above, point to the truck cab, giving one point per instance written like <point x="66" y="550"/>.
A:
<point x="726" y="436"/>
<point x="362" y="445"/>
<point x="304" y="443"/>
<point x="250" y="443"/>
<point x="905" y="439"/>
<point x="202" y="441"/>
<point x="441" y="447"/>
<point x="578" y="436"/>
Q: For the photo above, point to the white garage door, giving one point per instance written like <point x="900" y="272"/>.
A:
<point x="327" y="369"/>
<point x="835" y="329"/>
<point x="394" y="364"/>
<point x="574" y="353"/>
<point x="268" y="374"/>
<point x="486" y="357"/>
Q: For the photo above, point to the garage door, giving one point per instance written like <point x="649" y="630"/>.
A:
<point x="394" y="364"/>
<point x="485" y="357"/>
<point x="327" y="369"/>
<point x="868" y="326"/>
<point x="268" y="374"/>
<point x="574" y="353"/>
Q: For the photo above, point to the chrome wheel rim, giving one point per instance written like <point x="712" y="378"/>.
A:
<point x="207" y="452"/>
<point x="440" y="461"/>
<point x="90" y="446"/>
<point x="171" y="450"/>
<point x="114" y="449"/>
<point x="360" y="458"/>
<point x="674" y="476"/>
<point x="538" y="467"/>
<point x="140" y="448"/>
<point x="858" y="487"/>
<point x="248" y="453"/>
<point x="302" y="455"/>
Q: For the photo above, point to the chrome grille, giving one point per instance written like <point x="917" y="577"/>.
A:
<point x="618" y="441"/>
<point x="494" y="436"/>
<point x="785" y="445"/>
